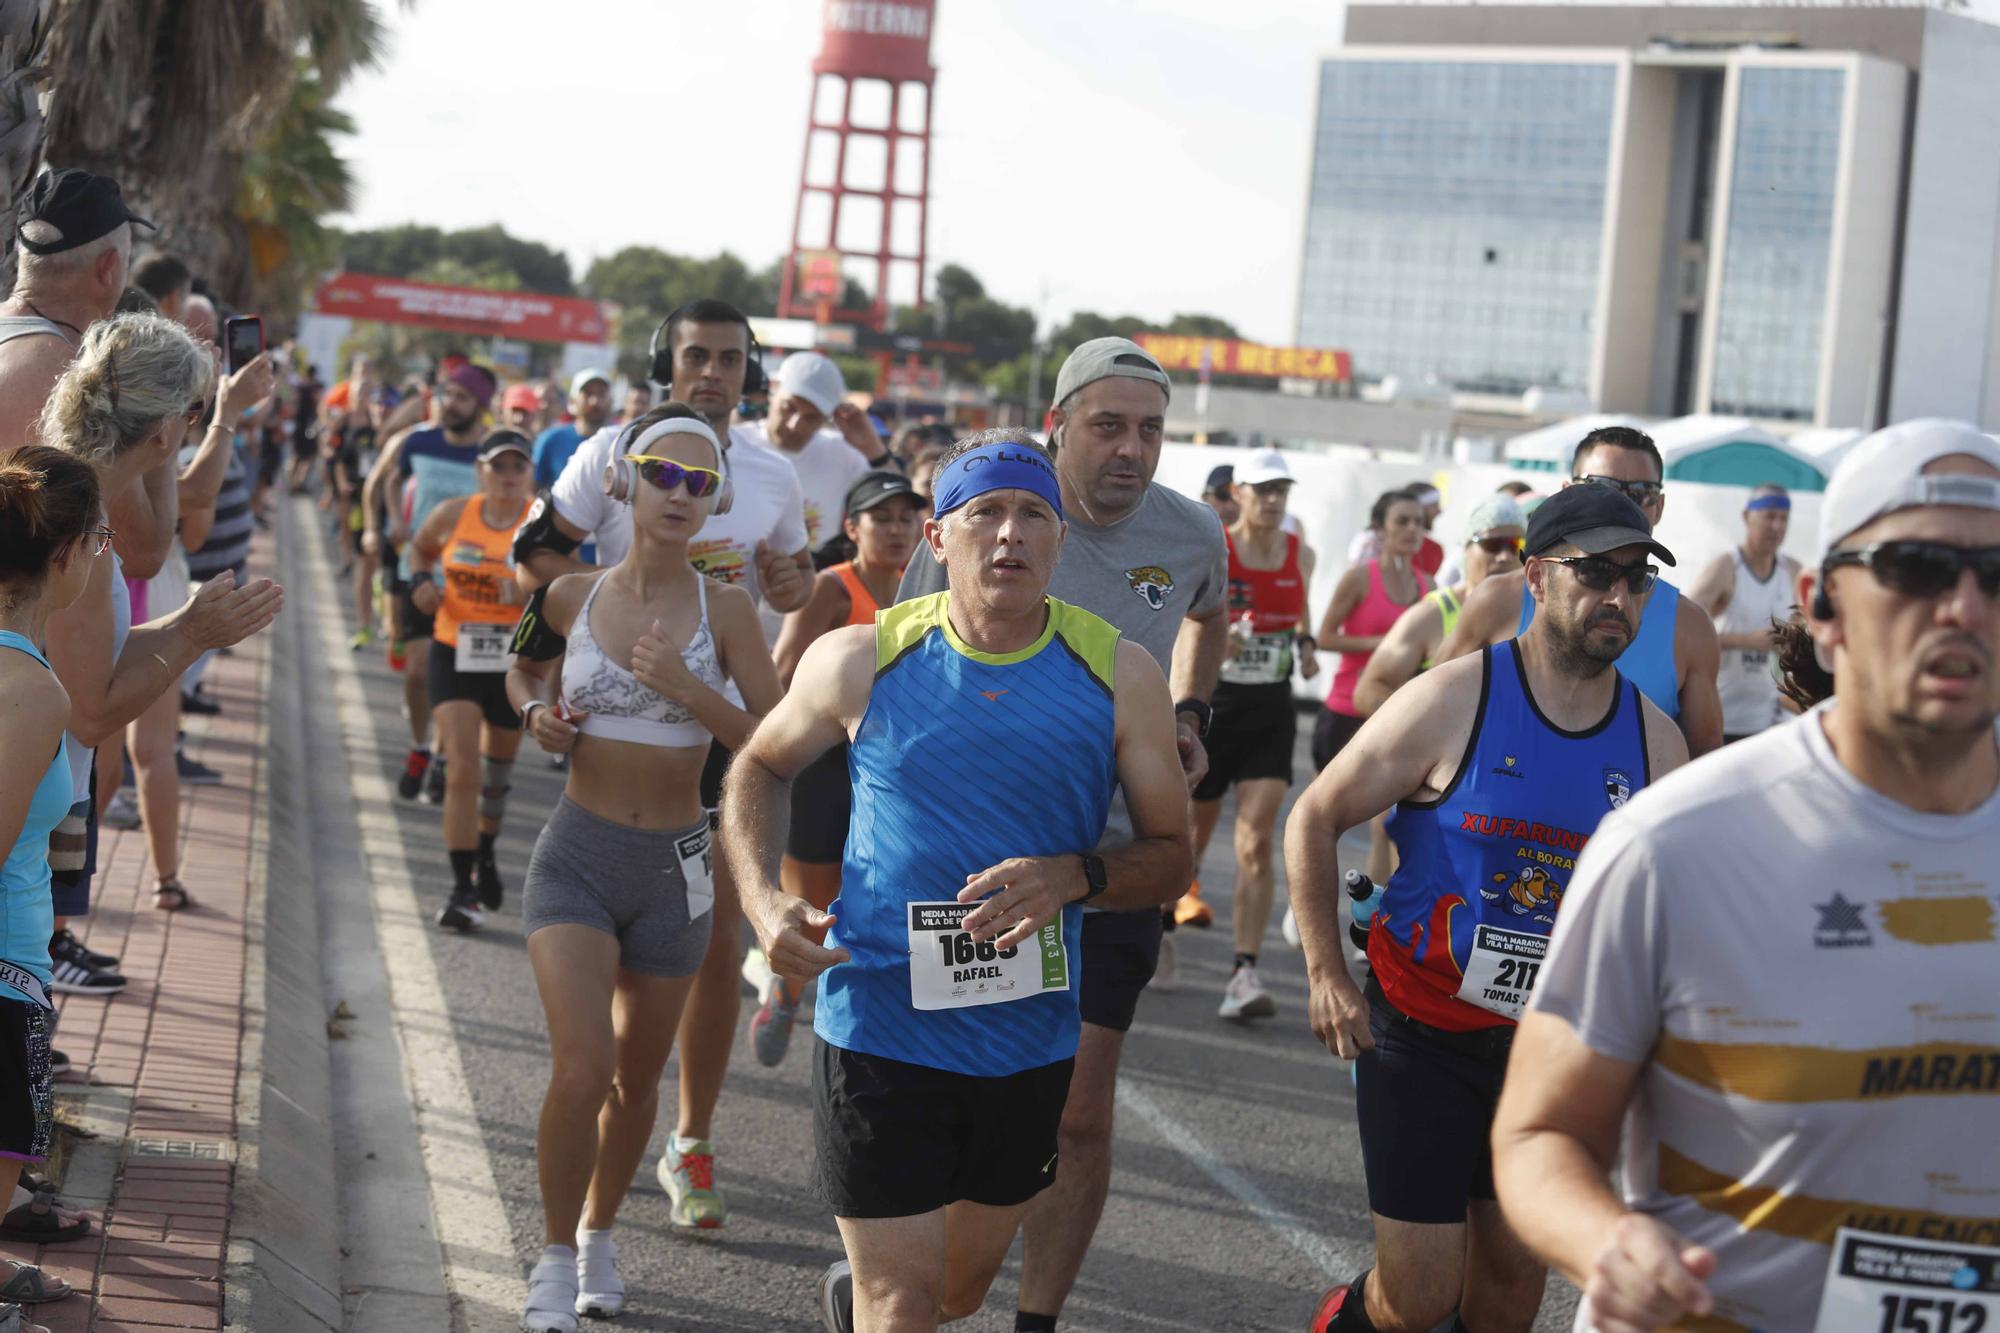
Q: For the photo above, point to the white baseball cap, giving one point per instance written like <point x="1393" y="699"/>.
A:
<point x="579" y="381"/>
<point x="813" y="377"/>
<point x="1498" y="510"/>
<point x="1263" y="466"/>
<point x="1885" y="472"/>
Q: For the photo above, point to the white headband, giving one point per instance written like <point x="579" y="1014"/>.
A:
<point x="659" y="430"/>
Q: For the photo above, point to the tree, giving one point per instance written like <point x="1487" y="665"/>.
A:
<point x="407" y="250"/>
<point x="648" y="283"/>
<point x="292" y="180"/>
<point x="23" y="33"/>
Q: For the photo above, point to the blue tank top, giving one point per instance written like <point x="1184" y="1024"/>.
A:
<point x="444" y="471"/>
<point x="963" y="760"/>
<point x="27" y="913"/>
<point x="1648" y="661"/>
<point x="1458" y="938"/>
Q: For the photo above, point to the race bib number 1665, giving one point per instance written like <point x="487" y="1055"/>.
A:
<point x="949" y="971"/>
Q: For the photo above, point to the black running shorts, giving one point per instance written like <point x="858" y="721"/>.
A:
<point x="1120" y="951"/>
<point x="1331" y="733"/>
<point x="1424" y="1099"/>
<point x="445" y="684"/>
<point x="822" y="800"/>
<point x="712" y="772"/>
<point x="900" y="1140"/>
<point x="27" y="1106"/>
<point x="1250" y="737"/>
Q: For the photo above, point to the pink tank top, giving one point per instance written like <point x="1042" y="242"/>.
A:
<point x="1375" y="616"/>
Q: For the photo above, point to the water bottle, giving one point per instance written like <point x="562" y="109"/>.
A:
<point x="1363" y="899"/>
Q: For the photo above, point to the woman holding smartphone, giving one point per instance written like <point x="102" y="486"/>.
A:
<point x="634" y="669"/>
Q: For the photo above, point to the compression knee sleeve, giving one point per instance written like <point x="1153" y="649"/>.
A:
<point x="496" y="779"/>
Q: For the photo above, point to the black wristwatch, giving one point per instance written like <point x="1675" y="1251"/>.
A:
<point x="881" y="460"/>
<point x="1202" y="712"/>
<point x="1093" y="875"/>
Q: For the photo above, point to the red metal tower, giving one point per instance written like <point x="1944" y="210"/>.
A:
<point x="888" y="41"/>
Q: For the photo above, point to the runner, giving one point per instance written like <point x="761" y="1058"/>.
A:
<point x="1430" y="556"/>
<point x="1256" y="722"/>
<point x="757" y="542"/>
<point x="935" y="1116"/>
<point x="353" y="445"/>
<point x="1819" y="1063"/>
<point x="1219" y="494"/>
<point x="1493" y="535"/>
<point x="1539" y="729"/>
<point x="521" y="409"/>
<point x="618" y="894"/>
<point x="1675" y="658"/>
<point x="1366" y="603"/>
<point x="1746" y="592"/>
<point x="51" y="535"/>
<point x="1150" y="561"/>
<point x="807" y="397"/>
<point x="590" y="404"/>
<point x="442" y="462"/>
<point x="473" y="613"/>
<point x="884" y="523"/>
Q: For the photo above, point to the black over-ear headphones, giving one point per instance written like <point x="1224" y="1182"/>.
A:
<point x="661" y="369"/>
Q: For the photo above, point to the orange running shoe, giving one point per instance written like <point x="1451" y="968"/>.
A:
<point x="1192" y="911"/>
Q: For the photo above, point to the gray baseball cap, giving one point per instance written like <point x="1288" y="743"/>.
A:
<point x="1101" y="358"/>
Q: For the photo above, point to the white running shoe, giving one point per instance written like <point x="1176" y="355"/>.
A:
<point x="551" y="1304"/>
<point x="600" y="1292"/>
<point x="1289" y="928"/>
<point x="1245" y="998"/>
<point x="757" y="973"/>
<point x="1166" y="972"/>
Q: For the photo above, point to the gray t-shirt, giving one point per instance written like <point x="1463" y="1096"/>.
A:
<point x="1145" y="574"/>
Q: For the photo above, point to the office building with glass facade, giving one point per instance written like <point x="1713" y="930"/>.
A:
<point x="1670" y="210"/>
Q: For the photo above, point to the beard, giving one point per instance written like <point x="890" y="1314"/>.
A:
<point x="1585" y="650"/>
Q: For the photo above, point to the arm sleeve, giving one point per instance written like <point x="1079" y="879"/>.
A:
<point x="1606" y="959"/>
<point x="578" y="494"/>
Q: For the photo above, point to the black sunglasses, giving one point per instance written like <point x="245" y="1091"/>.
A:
<point x="1638" y="492"/>
<point x="1923" y="569"/>
<point x="1601" y="575"/>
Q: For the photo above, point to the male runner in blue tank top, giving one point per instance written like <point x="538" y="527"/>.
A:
<point x="1498" y="767"/>
<point x="990" y="724"/>
<point x="1675" y="658"/>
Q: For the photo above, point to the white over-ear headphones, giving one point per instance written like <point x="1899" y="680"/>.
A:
<point x="621" y="476"/>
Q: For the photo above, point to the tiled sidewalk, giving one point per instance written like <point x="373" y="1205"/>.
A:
<point x="155" y="1068"/>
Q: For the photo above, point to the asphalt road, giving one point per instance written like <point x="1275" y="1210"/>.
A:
<point x="1237" y="1194"/>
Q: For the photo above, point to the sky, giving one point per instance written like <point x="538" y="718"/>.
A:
<point x="1143" y="156"/>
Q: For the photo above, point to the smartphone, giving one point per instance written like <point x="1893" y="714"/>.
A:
<point x="243" y="340"/>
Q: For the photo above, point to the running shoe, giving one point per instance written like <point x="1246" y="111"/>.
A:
<point x="462" y="913"/>
<point x="1245" y="998"/>
<point x="196" y="703"/>
<point x="600" y="1291"/>
<point x="414" y="768"/>
<point x="363" y="639"/>
<point x="194" y="773"/>
<point x="1329" y="1307"/>
<point x="434" y="783"/>
<point x="399" y="656"/>
<point x="72" y="974"/>
<point x="123" y="812"/>
<point x="771" y="1027"/>
<point x="486" y="879"/>
<point x="688" y="1177"/>
<point x="1192" y="911"/>
<point x="1289" y="928"/>
<point x="1166" y="972"/>
<point x="836" y="1297"/>
<point x="757" y="973"/>
<point x="552" y="1295"/>
<point x="64" y="939"/>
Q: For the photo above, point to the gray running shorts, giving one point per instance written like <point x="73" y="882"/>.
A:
<point x="651" y="888"/>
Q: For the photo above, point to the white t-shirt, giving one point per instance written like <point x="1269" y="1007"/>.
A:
<point x="767" y="509"/>
<point x="1809" y="973"/>
<point x="827" y="468"/>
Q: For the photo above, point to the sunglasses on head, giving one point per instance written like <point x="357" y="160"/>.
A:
<point x="667" y="474"/>
<point x="1601" y="575"/>
<point x="1500" y="545"/>
<point x="1924" y="569"/>
<point x="1638" y="492"/>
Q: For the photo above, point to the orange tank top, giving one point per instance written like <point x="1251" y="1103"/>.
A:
<point x="477" y="572"/>
<point x="861" y="604"/>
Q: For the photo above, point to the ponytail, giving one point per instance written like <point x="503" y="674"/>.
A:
<point x="48" y="499"/>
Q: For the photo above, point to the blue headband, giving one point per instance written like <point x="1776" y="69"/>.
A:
<point x="1783" y="502"/>
<point x="995" y="467"/>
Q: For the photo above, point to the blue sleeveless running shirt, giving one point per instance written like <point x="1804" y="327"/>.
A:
<point x="444" y="471"/>
<point x="963" y="760"/>
<point x="1458" y="939"/>
<point x="27" y="913"/>
<point x="1648" y="661"/>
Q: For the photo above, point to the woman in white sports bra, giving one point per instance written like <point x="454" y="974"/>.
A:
<point x="651" y="657"/>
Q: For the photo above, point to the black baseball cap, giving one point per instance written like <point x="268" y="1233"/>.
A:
<point x="504" y="441"/>
<point x="79" y="205"/>
<point x="1594" y="519"/>
<point x="877" y="487"/>
<point x="1219" y="478"/>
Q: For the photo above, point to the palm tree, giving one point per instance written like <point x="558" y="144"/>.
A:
<point x="23" y="30"/>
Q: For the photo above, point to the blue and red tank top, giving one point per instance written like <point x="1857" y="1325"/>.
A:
<point x="1458" y="939"/>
